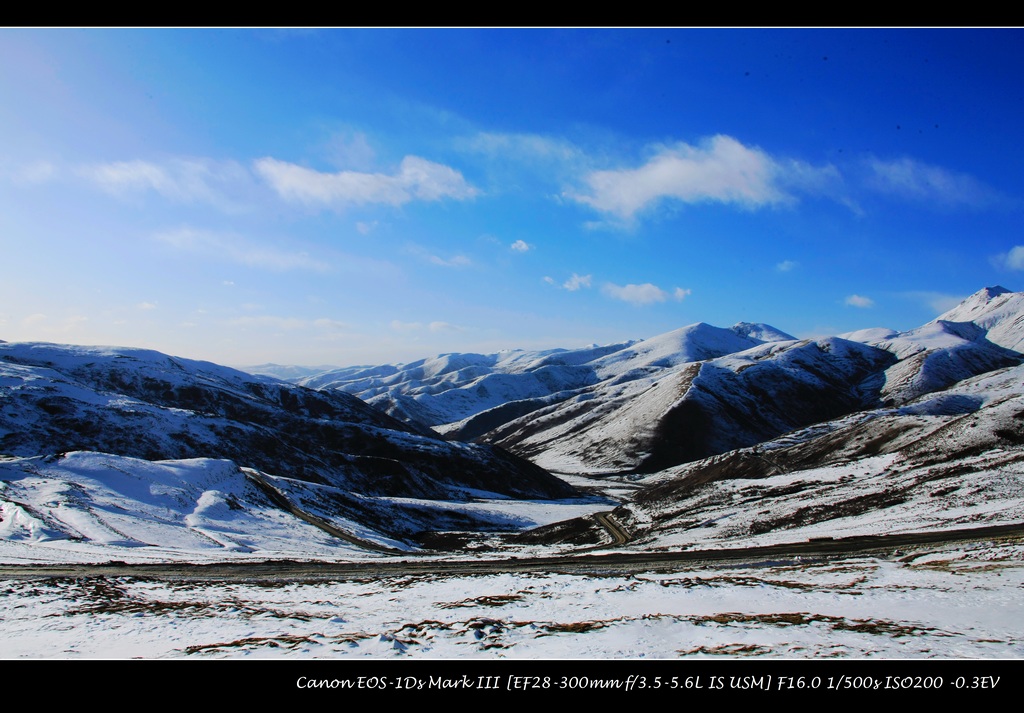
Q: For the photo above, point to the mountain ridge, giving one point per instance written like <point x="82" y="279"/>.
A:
<point x="614" y="411"/>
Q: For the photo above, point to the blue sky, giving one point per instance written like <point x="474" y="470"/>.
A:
<point x="365" y="196"/>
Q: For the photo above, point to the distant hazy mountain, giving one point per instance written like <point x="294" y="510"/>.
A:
<point x="285" y="372"/>
<point x="466" y="395"/>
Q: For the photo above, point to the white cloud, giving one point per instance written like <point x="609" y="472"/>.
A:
<point x="799" y="177"/>
<point x="639" y="295"/>
<point x="520" y="246"/>
<point x="233" y="247"/>
<point x="181" y="180"/>
<point x="576" y="282"/>
<point x="921" y="181"/>
<point x="573" y="284"/>
<point x="131" y="175"/>
<point x="145" y="306"/>
<point x="416" y="179"/>
<point x="859" y="301"/>
<point x="719" y="169"/>
<point x="786" y="265"/>
<point x="1014" y="259"/>
<point x="679" y="294"/>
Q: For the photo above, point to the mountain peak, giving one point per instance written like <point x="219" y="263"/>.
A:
<point x="987" y="294"/>
<point x="995" y="309"/>
<point x="974" y="306"/>
<point x="761" y="332"/>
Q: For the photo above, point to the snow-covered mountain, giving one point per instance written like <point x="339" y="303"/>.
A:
<point x="286" y="372"/>
<point x="691" y="410"/>
<point x="942" y="448"/>
<point x="687" y="394"/>
<point x="952" y="459"/>
<point x="997" y="311"/>
<point x="326" y="448"/>
<point x="700" y="408"/>
<point x="984" y="333"/>
<point x="465" y="395"/>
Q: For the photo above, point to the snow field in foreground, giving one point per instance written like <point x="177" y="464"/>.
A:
<point x="935" y="603"/>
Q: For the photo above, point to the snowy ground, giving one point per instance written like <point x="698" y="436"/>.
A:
<point x="95" y="507"/>
<point x="927" y="604"/>
<point x="875" y="495"/>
